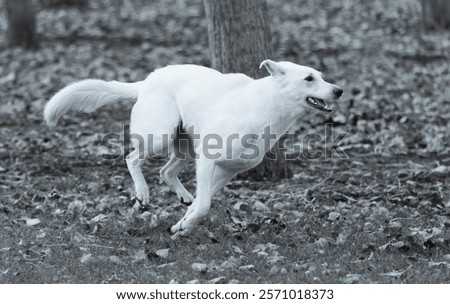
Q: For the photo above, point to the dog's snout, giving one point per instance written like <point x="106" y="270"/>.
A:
<point x="337" y="92"/>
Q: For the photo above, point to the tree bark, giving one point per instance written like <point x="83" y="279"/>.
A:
<point x="239" y="40"/>
<point x="239" y="35"/>
<point x="436" y="14"/>
<point x="21" y="24"/>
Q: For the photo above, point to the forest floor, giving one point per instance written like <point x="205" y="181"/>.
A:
<point x="379" y="215"/>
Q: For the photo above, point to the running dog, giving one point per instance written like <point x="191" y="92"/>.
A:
<point x="209" y="102"/>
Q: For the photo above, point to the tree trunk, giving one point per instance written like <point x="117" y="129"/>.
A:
<point x="436" y="14"/>
<point x="239" y="40"/>
<point x="21" y="24"/>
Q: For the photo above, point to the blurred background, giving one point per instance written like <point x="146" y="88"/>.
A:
<point x="391" y="59"/>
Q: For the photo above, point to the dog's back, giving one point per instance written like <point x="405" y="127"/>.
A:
<point x="189" y="79"/>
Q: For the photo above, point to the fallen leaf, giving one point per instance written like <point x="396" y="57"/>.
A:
<point x="393" y="274"/>
<point x="218" y="280"/>
<point x="395" y="224"/>
<point x="441" y="170"/>
<point x="396" y="245"/>
<point x="200" y="267"/>
<point x="321" y="242"/>
<point x="274" y="269"/>
<point x="31" y="222"/>
<point x="333" y="216"/>
<point x="396" y="274"/>
<point x="87" y="259"/>
<point x="76" y="206"/>
<point x="99" y="218"/>
<point x="341" y="238"/>
<point x="41" y="235"/>
<point x="116" y="260"/>
<point x="279" y="206"/>
<point x="352" y="278"/>
<point x="425" y="233"/>
<point x="247" y="267"/>
<point x="260" y="206"/>
<point x="236" y="249"/>
<point x="162" y="253"/>
<point x="146" y="216"/>
<point x="140" y="255"/>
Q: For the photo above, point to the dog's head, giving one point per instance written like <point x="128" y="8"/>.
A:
<point x="303" y="84"/>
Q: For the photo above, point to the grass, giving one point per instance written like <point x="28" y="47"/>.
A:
<point x="310" y="232"/>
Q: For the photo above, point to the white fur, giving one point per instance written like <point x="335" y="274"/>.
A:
<point x="88" y="95"/>
<point x="211" y="103"/>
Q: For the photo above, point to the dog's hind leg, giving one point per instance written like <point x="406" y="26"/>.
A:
<point x="169" y="173"/>
<point x="154" y="119"/>
<point x="134" y="162"/>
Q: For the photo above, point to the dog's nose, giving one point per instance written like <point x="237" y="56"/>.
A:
<point x="338" y="92"/>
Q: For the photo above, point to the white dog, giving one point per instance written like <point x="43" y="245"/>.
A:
<point x="206" y="102"/>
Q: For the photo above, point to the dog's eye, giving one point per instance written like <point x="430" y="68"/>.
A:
<point x="309" y="78"/>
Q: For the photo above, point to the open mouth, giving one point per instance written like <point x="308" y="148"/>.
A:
<point x="319" y="104"/>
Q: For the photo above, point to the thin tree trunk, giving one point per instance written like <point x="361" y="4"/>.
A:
<point x="239" y="40"/>
<point x="21" y="23"/>
<point x="436" y="14"/>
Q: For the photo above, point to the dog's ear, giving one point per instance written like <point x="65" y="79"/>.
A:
<point x="272" y="67"/>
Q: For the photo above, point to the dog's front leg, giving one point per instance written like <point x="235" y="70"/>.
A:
<point x="205" y="169"/>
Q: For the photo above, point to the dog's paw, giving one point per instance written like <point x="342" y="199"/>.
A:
<point x="143" y="195"/>
<point x="178" y="230"/>
<point x="175" y="235"/>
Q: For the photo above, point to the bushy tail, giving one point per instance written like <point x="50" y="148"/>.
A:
<point x="88" y="95"/>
